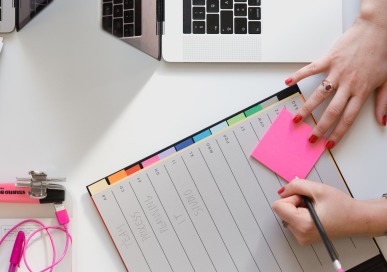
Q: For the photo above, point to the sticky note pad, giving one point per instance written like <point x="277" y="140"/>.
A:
<point x="285" y="148"/>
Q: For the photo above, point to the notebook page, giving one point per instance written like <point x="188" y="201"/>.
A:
<point x="208" y="208"/>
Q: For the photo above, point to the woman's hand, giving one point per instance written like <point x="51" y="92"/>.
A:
<point x="356" y="66"/>
<point x="339" y="213"/>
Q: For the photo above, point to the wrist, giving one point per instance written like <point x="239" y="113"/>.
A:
<point x="374" y="217"/>
<point x="360" y="219"/>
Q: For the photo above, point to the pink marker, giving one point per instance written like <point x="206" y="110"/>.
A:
<point x="9" y="192"/>
<point x="17" y="252"/>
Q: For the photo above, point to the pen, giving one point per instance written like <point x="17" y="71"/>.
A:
<point x="324" y="236"/>
<point x="9" y="192"/>
<point x="17" y="251"/>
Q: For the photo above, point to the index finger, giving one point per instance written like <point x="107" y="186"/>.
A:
<point x="287" y="208"/>
<point x="313" y="68"/>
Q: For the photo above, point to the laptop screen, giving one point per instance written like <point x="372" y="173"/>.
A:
<point x="27" y="10"/>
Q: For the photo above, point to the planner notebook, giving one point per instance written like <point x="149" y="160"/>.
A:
<point x="204" y="204"/>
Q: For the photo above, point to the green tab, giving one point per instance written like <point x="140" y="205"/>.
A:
<point x="236" y="119"/>
<point x="253" y="110"/>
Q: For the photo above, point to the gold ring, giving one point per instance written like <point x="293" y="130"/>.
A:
<point x="327" y="86"/>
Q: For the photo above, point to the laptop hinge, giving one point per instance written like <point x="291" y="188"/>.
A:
<point x="160" y="17"/>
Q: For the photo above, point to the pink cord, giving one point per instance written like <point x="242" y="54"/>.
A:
<point x="45" y="228"/>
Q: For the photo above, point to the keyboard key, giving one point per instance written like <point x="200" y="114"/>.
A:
<point x="117" y="10"/>
<point x="213" y="24"/>
<point x="137" y="17"/>
<point x="226" y="4"/>
<point x="199" y="13"/>
<point x="128" y="16"/>
<point x="117" y="27"/>
<point x="254" y="2"/>
<point x="240" y="25"/>
<point x="199" y="27"/>
<point x="254" y="13"/>
<point x="187" y="19"/>
<point x="212" y="6"/>
<point x="129" y="30"/>
<point x="226" y="22"/>
<point x="240" y="9"/>
<point x="240" y="0"/>
<point x="107" y="9"/>
<point x="198" y="2"/>
<point x="115" y="2"/>
<point x="128" y="4"/>
<point x="107" y="23"/>
<point x="254" y="27"/>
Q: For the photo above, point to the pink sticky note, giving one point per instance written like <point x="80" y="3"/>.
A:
<point x="285" y="148"/>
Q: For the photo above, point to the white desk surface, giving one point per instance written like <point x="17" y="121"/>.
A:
<point x="76" y="102"/>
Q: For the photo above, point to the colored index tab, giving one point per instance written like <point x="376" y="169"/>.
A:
<point x="202" y="135"/>
<point x="117" y="176"/>
<point x="285" y="148"/>
<point x="150" y="161"/>
<point x="253" y="110"/>
<point x="236" y="119"/>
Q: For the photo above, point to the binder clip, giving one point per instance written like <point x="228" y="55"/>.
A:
<point x="41" y="187"/>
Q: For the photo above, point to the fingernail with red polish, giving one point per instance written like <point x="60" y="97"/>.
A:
<point x="330" y="144"/>
<point x="297" y="118"/>
<point x="384" y="121"/>
<point x="280" y="191"/>
<point x="313" y="139"/>
<point x="289" y="80"/>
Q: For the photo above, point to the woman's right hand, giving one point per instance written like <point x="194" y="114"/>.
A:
<point x="339" y="213"/>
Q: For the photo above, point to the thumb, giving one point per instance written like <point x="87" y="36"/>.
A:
<point x="381" y="104"/>
<point x="300" y="187"/>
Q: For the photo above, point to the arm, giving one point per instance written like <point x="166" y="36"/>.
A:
<point x="340" y="214"/>
<point x="356" y="66"/>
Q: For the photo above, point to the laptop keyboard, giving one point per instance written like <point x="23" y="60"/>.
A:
<point x="122" y="18"/>
<point x="222" y="17"/>
<point x="37" y="5"/>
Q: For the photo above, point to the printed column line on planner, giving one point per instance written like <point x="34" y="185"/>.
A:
<point x="160" y="222"/>
<point x="219" y="209"/>
<point x="200" y="216"/>
<point x="271" y="226"/>
<point x="179" y="217"/>
<point x="121" y="233"/>
<point x="233" y="195"/>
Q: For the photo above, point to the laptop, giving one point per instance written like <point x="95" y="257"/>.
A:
<point x="226" y="30"/>
<point x="17" y="13"/>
